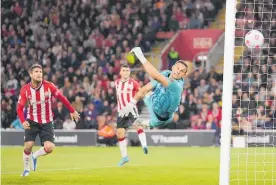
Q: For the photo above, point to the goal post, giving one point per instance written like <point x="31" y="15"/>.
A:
<point x="226" y="125"/>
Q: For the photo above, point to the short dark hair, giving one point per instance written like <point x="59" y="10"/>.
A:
<point x="34" y="66"/>
<point x="125" y="66"/>
<point x="182" y="62"/>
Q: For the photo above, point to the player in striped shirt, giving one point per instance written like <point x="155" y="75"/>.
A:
<point x="126" y="88"/>
<point x="166" y="87"/>
<point x="38" y="94"/>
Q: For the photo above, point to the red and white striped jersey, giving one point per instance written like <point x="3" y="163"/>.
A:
<point x="125" y="91"/>
<point x="40" y="102"/>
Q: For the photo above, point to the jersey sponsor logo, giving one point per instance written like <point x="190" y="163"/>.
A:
<point x="34" y="102"/>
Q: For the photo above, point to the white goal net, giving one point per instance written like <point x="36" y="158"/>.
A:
<point x="253" y="156"/>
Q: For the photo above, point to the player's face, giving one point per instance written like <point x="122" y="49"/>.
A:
<point x="125" y="72"/>
<point x="178" y="71"/>
<point x="36" y="74"/>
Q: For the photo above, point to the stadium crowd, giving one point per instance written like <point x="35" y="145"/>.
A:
<point x="254" y="86"/>
<point x="254" y="103"/>
<point x="81" y="45"/>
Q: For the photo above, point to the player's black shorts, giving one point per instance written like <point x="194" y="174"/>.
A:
<point x="125" y="122"/>
<point x="45" y="132"/>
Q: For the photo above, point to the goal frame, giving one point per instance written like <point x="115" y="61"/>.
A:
<point x="226" y="125"/>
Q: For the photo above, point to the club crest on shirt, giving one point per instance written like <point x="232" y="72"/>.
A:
<point x="46" y="94"/>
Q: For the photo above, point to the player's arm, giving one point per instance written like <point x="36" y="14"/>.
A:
<point x="149" y="68"/>
<point x="143" y="91"/>
<point x="56" y="92"/>
<point x="130" y="107"/>
<point x="22" y="100"/>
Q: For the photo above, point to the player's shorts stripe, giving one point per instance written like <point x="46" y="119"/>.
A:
<point x="43" y="104"/>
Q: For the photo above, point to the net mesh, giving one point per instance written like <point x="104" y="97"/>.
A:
<point x="254" y="91"/>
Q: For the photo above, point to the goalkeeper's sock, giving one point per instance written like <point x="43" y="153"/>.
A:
<point x="123" y="146"/>
<point x="40" y="152"/>
<point x="26" y="160"/>
<point x="142" y="137"/>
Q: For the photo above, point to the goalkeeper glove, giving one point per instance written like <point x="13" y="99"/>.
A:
<point x="139" y="54"/>
<point x="130" y="108"/>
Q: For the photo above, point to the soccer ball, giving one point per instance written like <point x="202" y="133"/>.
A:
<point x="254" y="39"/>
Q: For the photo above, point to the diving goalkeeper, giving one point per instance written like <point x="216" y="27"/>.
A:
<point x="166" y="88"/>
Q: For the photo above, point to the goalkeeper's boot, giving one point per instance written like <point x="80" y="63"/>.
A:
<point x="34" y="160"/>
<point x="25" y="173"/>
<point x="123" y="161"/>
<point x="145" y="150"/>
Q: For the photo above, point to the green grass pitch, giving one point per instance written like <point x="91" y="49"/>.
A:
<point x="162" y="166"/>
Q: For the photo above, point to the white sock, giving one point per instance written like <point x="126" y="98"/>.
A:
<point x="26" y="160"/>
<point x="123" y="147"/>
<point x="40" y="152"/>
<point x="142" y="137"/>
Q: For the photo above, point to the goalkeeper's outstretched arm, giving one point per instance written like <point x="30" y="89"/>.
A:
<point x="149" y="68"/>
<point x="129" y="108"/>
<point x="143" y="91"/>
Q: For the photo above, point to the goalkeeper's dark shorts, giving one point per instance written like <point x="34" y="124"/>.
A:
<point x="126" y="121"/>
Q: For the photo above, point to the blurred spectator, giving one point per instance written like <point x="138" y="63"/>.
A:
<point x="12" y="84"/>
<point x="204" y="113"/>
<point x="7" y="113"/>
<point x="198" y="125"/>
<point x="260" y="117"/>
<point x="216" y="112"/>
<point x="174" y="124"/>
<point x="90" y="116"/>
<point x="236" y="130"/>
<point x="210" y="124"/>
<point x="173" y="56"/>
<point x="202" y="88"/>
<point x="195" y="80"/>
<point x="69" y="124"/>
<point x="60" y="112"/>
<point x="195" y="21"/>
<point x="190" y="105"/>
<point x="183" y="117"/>
<point x="78" y="104"/>
<point x="106" y="132"/>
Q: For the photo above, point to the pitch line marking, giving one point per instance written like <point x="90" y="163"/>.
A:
<point x="67" y="169"/>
